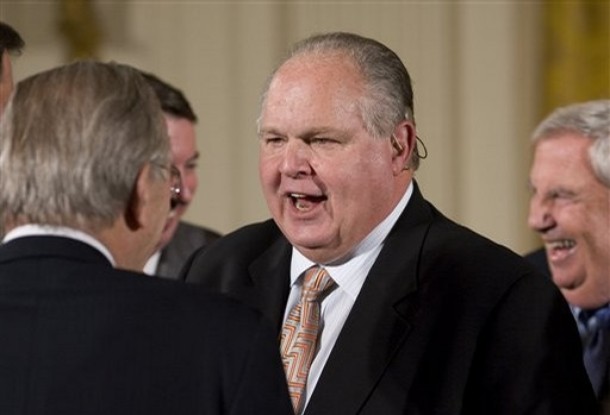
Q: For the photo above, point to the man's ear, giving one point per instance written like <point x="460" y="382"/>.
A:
<point x="140" y="196"/>
<point x="403" y="144"/>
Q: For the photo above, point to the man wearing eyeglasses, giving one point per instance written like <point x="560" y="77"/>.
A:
<point x="85" y="181"/>
<point x="179" y="239"/>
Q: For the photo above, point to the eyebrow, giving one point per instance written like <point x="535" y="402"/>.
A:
<point x="270" y="131"/>
<point x="194" y="157"/>
<point x="312" y="132"/>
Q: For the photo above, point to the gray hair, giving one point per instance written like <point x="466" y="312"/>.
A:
<point x="72" y="143"/>
<point x="388" y="99"/>
<point x="590" y="119"/>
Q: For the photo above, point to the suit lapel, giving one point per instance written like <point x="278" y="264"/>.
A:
<point x="380" y="320"/>
<point x="270" y="275"/>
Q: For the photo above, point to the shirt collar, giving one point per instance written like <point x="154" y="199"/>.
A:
<point x="299" y="263"/>
<point x="38" y="230"/>
<point x="150" y="268"/>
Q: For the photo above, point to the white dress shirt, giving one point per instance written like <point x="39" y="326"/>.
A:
<point x="150" y="268"/>
<point x="349" y="276"/>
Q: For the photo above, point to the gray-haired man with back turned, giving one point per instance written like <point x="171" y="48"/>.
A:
<point x="85" y="187"/>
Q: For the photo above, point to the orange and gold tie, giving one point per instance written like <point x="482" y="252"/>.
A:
<point x="300" y="334"/>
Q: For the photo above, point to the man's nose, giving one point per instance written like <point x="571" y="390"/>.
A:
<point x="540" y="216"/>
<point x="296" y="159"/>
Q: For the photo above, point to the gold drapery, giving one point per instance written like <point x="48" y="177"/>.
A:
<point x="79" y="25"/>
<point x="577" y="52"/>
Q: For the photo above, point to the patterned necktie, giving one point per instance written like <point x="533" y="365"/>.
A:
<point x="300" y="334"/>
<point x="595" y="331"/>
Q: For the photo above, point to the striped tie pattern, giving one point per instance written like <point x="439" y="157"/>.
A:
<point x="300" y="334"/>
<point x="594" y="327"/>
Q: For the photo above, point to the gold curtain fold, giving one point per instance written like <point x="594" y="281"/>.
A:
<point x="577" y="52"/>
<point x="78" y="23"/>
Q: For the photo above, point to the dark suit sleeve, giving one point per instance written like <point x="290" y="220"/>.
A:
<point x="531" y="357"/>
<point x="539" y="260"/>
<point x="262" y="387"/>
<point x="185" y="273"/>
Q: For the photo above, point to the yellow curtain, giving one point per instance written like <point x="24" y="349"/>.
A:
<point x="577" y="52"/>
<point x="78" y="23"/>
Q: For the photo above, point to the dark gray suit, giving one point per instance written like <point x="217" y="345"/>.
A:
<point x="79" y="337"/>
<point x="187" y="239"/>
<point x="447" y="322"/>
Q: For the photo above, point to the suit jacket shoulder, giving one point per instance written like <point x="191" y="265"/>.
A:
<point x="79" y="334"/>
<point x="240" y="247"/>
<point x="187" y="239"/>
<point x="539" y="259"/>
<point x="250" y="264"/>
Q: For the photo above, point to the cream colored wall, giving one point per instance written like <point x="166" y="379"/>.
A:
<point x="474" y="67"/>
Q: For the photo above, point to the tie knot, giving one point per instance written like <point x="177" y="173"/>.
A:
<point x="316" y="282"/>
<point x="600" y="319"/>
<point x="590" y="321"/>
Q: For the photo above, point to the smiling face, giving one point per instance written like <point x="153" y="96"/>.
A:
<point x="185" y="156"/>
<point x="326" y="180"/>
<point x="570" y="209"/>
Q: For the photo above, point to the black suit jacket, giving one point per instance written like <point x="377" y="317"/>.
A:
<point x="79" y="337"/>
<point x="447" y="322"/>
<point x="187" y="239"/>
<point x="539" y="260"/>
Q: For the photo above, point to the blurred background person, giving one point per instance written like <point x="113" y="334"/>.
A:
<point x="85" y="188"/>
<point x="10" y="43"/>
<point x="570" y="209"/>
<point x="179" y="238"/>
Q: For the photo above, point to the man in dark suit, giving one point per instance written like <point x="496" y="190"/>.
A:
<point x="384" y="305"/>
<point x="570" y="209"/>
<point x="85" y="189"/>
<point x="187" y="239"/>
<point x="179" y="239"/>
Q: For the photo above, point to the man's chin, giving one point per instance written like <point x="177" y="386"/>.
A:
<point x="560" y="280"/>
<point x="566" y="280"/>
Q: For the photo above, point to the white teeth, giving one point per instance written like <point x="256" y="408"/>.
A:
<point x="304" y="201"/>
<point x="299" y="205"/>
<point x="562" y="244"/>
<point x="299" y="201"/>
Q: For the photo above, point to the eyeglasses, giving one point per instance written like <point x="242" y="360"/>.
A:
<point x="175" y="187"/>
